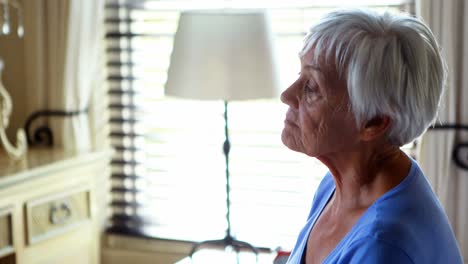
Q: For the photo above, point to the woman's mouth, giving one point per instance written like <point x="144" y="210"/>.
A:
<point x="289" y="123"/>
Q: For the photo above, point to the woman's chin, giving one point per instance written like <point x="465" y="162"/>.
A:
<point x="286" y="137"/>
<point x="290" y="141"/>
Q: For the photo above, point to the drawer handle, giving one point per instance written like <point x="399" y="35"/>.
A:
<point x="60" y="213"/>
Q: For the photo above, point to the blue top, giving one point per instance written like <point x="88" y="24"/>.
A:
<point x="405" y="225"/>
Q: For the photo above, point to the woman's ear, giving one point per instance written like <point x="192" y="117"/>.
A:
<point x="375" y="128"/>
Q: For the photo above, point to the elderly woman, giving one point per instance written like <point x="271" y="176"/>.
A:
<point x="369" y="83"/>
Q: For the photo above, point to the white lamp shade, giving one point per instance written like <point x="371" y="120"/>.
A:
<point x="224" y="55"/>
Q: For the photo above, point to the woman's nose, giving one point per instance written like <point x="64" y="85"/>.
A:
<point x="289" y="96"/>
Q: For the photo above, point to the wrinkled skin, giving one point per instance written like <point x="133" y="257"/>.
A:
<point x="319" y="119"/>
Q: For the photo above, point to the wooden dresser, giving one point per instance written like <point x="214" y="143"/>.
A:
<point x="53" y="207"/>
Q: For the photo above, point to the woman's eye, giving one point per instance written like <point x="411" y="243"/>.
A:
<point x="311" y="92"/>
<point x="311" y="87"/>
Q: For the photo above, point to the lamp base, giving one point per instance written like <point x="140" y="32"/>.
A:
<point x="225" y="242"/>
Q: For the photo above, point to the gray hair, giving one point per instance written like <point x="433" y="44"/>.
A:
<point x="391" y="63"/>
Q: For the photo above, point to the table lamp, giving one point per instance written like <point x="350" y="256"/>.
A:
<point x="223" y="55"/>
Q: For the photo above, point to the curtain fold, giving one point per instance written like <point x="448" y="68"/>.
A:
<point x="63" y="41"/>
<point x="449" y="22"/>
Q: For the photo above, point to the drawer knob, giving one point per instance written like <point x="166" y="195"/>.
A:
<point x="60" y="213"/>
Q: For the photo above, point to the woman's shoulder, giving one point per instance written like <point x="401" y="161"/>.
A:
<point x="418" y="227"/>
<point x="409" y="218"/>
<point x="415" y="240"/>
<point x="370" y="249"/>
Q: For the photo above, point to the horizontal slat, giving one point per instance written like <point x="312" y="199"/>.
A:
<point x="125" y="148"/>
<point x="134" y="35"/>
<point x="121" y="92"/>
<point x="120" y="50"/>
<point x="168" y="5"/>
<point x="126" y="162"/>
<point x="123" y="176"/>
<point x="184" y="233"/>
<point x="134" y="219"/>
<point x="120" y="64"/>
<point x="121" y="106"/>
<point x="123" y="120"/>
<point x="126" y="134"/>
<point x="290" y="188"/>
<point x="121" y="78"/>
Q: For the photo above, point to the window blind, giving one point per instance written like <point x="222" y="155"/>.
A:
<point x="168" y="178"/>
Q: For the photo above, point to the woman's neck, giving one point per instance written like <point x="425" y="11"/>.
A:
<point x="361" y="177"/>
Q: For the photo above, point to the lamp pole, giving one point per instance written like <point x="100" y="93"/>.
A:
<point x="228" y="240"/>
<point x="226" y="149"/>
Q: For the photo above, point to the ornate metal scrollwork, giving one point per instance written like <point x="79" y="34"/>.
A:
<point x="43" y="135"/>
<point x="6" y="107"/>
<point x="460" y="150"/>
<point x="19" y="151"/>
<point x="457" y="155"/>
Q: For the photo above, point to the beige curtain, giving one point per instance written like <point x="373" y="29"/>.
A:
<point x="63" y="53"/>
<point x="449" y="22"/>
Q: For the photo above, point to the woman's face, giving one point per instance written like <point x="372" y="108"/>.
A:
<point x="319" y="120"/>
